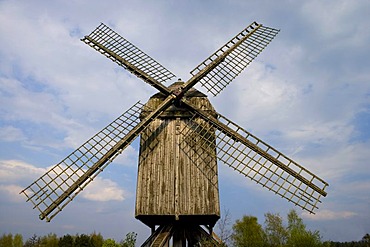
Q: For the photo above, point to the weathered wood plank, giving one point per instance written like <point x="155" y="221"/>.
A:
<point x="170" y="183"/>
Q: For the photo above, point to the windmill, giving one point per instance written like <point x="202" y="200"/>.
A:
<point x="181" y="139"/>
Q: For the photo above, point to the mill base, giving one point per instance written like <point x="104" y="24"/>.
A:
<point x="182" y="235"/>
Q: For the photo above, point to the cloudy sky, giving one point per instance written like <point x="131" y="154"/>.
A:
<point x="307" y="94"/>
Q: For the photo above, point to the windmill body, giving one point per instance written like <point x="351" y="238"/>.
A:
<point x="181" y="139"/>
<point x="171" y="186"/>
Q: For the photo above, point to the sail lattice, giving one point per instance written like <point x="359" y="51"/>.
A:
<point x="256" y="160"/>
<point x="240" y="52"/>
<point x="127" y="55"/>
<point x="55" y="187"/>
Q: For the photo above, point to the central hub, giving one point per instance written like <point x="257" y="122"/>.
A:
<point x="178" y="108"/>
<point x="177" y="89"/>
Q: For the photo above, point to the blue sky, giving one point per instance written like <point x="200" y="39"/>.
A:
<point x="307" y="94"/>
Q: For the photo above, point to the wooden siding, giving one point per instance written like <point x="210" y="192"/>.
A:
<point x="171" y="184"/>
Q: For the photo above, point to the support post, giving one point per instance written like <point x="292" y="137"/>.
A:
<point x="179" y="238"/>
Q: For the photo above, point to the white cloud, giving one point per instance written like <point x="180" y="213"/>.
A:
<point x="337" y="161"/>
<point x="12" y="192"/>
<point x="344" y="21"/>
<point x="329" y="215"/>
<point x="319" y="132"/>
<point x="66" y="85"/>
<point x="128" y="157"/>
<point x="103" y="190"/>
<point x="25" y="104"/>
<point x="11" y="134"/>
<point x="15" y="172"/>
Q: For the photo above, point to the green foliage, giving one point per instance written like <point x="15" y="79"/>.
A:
<point x="130" y="240"/>
<point x="18" y="240"/>
<point x="66" y="241"/>
<point x="6" y="240"/>
<point x="365" y="242"/>
<point x="366" y="239"/>
<point x="51" y="240"/>
<point x="248" y="232"/>
<point x="97" y="240"/>
<point x="276" y="233"/>
<point x="208" y="243"/>
<point x="33" y="241"/>
<point x="298" y="236"/>
<point x="83" y="240"/>
<point x="110" y="243"/>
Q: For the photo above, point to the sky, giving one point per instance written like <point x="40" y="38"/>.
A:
<point x="307" y="95"/>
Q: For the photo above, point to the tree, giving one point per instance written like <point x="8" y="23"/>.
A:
<point x="276" y="233"/>
<point x="208" y="242"/>
<point x="33" y="241"/>
<point x="6" y="240"/>
<point x="130" y="240"/>
<point x="297" y="233"/>
<point x="366" y="239"/>
<point x="110" y="243"/>
<point x="83" y="240"/>
<point x="66" y="241"/>
<point x="248" y="232"/>
<point x="18" y="240"/>
<point x="51" y="240"/>
<point x="223" y="225"/>
<point x="96" y="240"/>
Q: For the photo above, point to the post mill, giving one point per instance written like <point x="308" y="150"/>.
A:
<point x="181" y="138"/>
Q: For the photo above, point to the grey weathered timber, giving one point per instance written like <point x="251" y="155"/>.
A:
<point x="170" y="185"/>
<point x="183" y="235"/>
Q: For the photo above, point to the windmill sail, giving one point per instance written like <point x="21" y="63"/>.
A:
<point x="127" y="55"/>
<point x="57" y="187"/>
<point x="235" y="56"/>
<point x="257" y="160"/>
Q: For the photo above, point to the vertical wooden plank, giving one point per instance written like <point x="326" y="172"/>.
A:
<point x="169" y="182"/>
